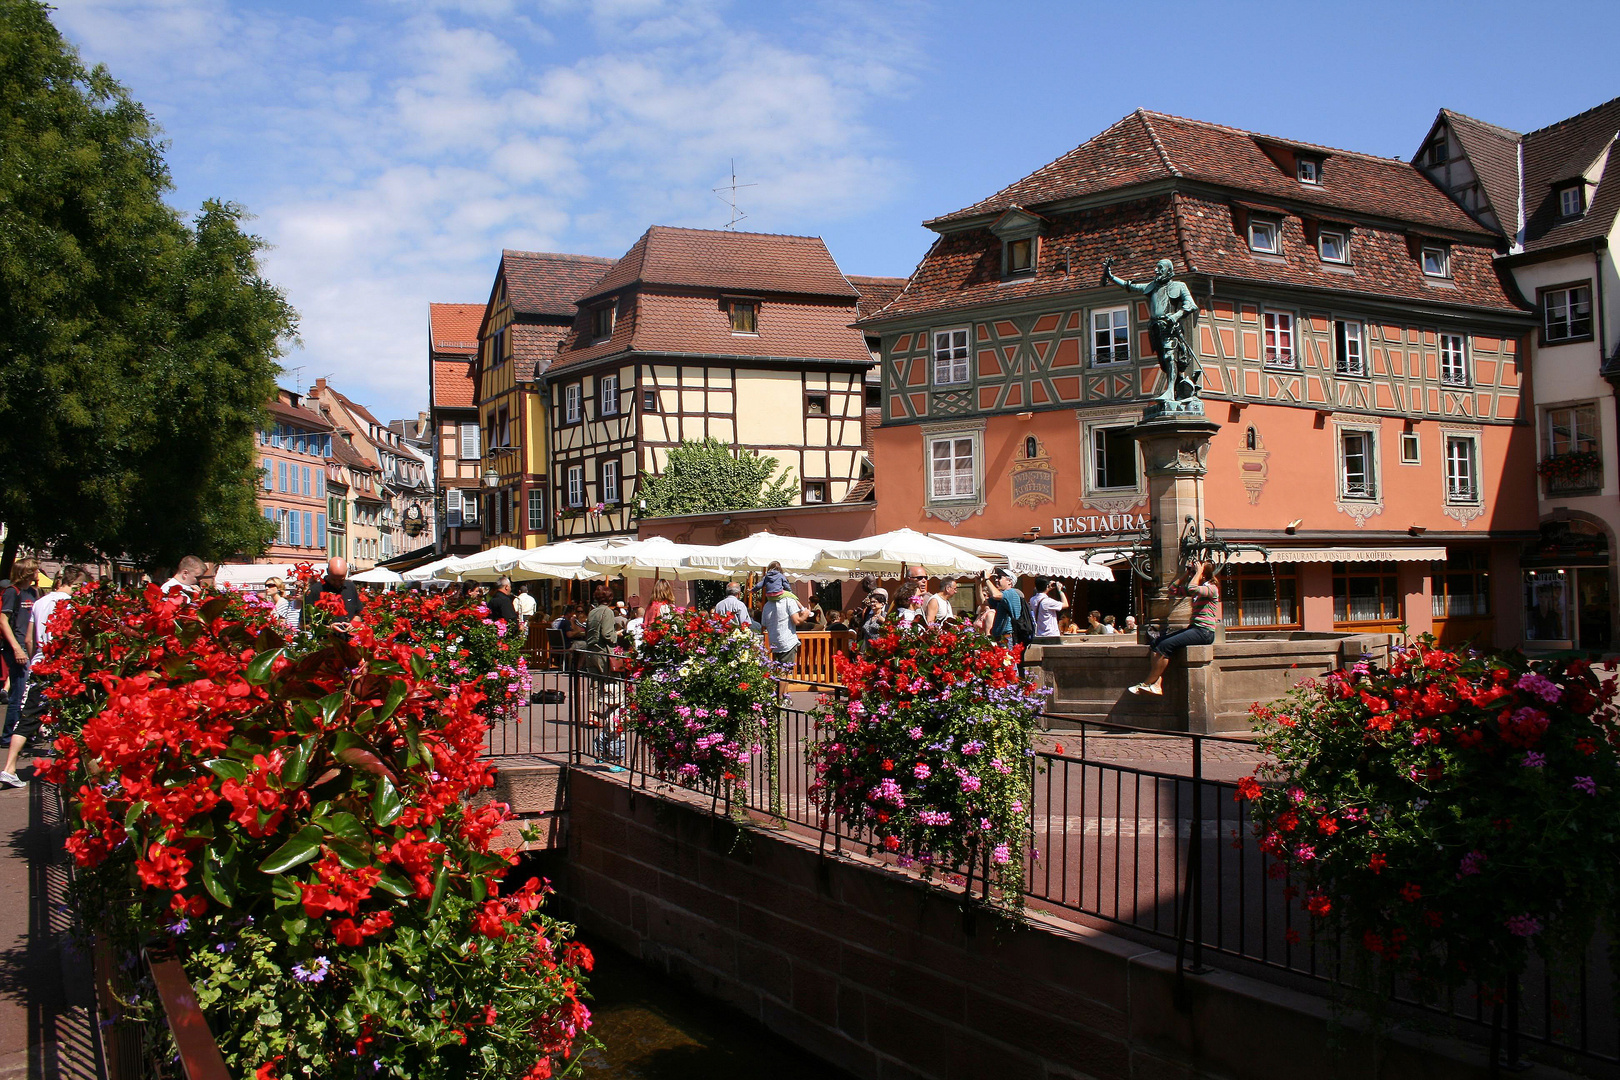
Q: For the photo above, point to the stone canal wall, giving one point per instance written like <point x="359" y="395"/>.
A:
<point x="885" y="977"/>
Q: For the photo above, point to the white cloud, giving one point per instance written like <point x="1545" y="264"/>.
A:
<point x="391" y="150"/>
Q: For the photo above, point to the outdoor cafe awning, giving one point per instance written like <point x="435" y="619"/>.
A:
<point x="1343" y="554"/>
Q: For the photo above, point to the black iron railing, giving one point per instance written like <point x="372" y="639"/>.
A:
<point x="1139" y="830"/>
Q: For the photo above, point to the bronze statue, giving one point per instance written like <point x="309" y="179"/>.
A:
<point x="1172" y="308"/>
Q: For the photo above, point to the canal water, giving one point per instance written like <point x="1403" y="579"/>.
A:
<point x="654" y="1029"/>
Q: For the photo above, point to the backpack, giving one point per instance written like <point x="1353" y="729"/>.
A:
<point x="1023" y="623"/>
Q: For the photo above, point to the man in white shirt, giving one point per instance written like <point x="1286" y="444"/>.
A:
<point x="525" y="604"/>
<point x="939" y="606"/>
<point x="186" y="576"/>
<point x="39" y="635"/>
<point x="1044" y="609"/>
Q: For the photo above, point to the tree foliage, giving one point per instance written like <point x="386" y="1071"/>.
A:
<point x="710" y="477"/>
<point x="137" y="349"/>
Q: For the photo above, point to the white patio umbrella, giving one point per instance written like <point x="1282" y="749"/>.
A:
<point x="655" y="555"/>
<point x="428" y="571"/>
<point x="562" y="562"/>
<point x="1031" y="559"/>
<point x="377" y="575"/>
<point x="482" y="565"/>
<point x="757" y="552"/>
<point x="891" y="552"/>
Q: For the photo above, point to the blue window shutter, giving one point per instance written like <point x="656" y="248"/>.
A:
<point x="269" y="478"/>
<point x="320" y="529"/>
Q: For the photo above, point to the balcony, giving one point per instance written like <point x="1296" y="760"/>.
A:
<point x="1576" y="473"/>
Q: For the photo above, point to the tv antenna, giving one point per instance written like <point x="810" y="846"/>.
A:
<point x="727" y="193"/>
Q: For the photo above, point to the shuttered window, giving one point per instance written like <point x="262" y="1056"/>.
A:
<point x="469" y="441"/>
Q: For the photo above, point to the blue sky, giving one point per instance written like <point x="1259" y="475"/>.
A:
<point x="389" y="149"/>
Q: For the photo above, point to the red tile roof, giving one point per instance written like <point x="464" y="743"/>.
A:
<point x="666" y="324"/>
<point x="963" y="268"/>
<point x="307" y="419"/>
<point x="875" y="292"/>
<point x="534" y="348"/>
<point x="547" y="282"/>
<point x="720" y="259"/>
<point x="1560" y="152"/>
<point x="453" y="385"/>
<point x="345" y="454"/>
<point x="1494" y="153"/>
<point x="453" y="328"/>
<point x="1148" y="146"/>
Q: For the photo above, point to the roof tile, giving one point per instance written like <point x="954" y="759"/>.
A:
<point x="721" y="259"/>
<point x="453" y="385"/>
<point x="453" y="328"/>
<point x="546" y="282"/>
<point x="875" y="292"/>
<point x="1560" y="152"/>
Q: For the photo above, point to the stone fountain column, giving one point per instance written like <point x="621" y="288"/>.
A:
<point x="1175" y="450"/>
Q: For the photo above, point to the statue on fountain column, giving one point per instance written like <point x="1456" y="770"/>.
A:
<point x="1172" y="310"/>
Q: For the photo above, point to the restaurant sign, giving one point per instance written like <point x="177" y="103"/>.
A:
<point x="1100" y="523"/>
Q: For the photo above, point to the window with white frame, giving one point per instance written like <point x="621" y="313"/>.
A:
<point x="1358" y="465"/>
<point x="1566" y="313"/>
<point x="607" y="394"/>
<point x="469" y="508"/>
<point x="537" y="510"/>
<point x="1278" y="327"/>
<point x="1265" y="236"/>
<point x="452" y="508"/>
<point x="1436" y="260"/>
<point x="1111" y="336"/>
<point x="610" y="481"/>
<point x="1348" y="358"/>
<point x="1454" y="359"/>
<point x="1113" y="458"/>
<point x="950" y="357"/>
<point x="571" y="409"/>
<point x="815" y="491"/>
<point x="1333" y="246"/>
<point x="950" y="468"/>
<point x="1571" y="201"/>
<point x="1020" y="256"/>
<point x="1462" y="476"/>
<point x="1309" y="171"/>
<point x="469" y="442"/>
<point x="576" y="485"/>
<point x="1410" y="448"/>
<point x="1571" y="429"/>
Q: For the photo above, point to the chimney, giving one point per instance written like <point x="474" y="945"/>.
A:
<point x="320" y="386"/>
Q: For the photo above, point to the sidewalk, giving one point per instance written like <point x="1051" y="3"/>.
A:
<point x="46" y="1014"/>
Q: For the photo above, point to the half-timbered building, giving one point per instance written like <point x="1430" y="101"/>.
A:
<point x="1359" y="349"/>
<point x="694" y="334"/>
<point x="529" y="312"/>
<point x="457" y="446"/>
<point x="1551" y="197"/>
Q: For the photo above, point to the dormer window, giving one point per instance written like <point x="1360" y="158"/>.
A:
<point x="1333" y="245"/>
<point x="744" y="317"/>
<point x="602" y="322"/>
<point x="1309" y="170"/>
<point x="1021" y="256"/>
<point x="1571" y="201"/>
<point x="1436" y="261"/>
<point x="1265" y="236"/>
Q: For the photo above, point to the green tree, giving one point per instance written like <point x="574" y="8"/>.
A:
<point x="710" y="477"/>
<point x="137" y="349"/>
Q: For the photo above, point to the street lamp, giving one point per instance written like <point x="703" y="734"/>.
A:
<point x="492" y="478"/>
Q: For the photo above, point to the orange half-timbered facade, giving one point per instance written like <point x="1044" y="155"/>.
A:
<point x="1361" y="352"/>
<point x="693" y="334"/>
<point x="530" y="309"/>
<point x="457" y="446"/>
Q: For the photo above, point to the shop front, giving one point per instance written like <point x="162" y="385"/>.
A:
<point x="1568" y="585"/>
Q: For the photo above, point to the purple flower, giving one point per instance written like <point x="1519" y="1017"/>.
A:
<point x="1585" y="784"/>
<point x="915" y="733"/>
<point x="1001" y="856"/>
<point x="1524" y="925"/>
<point x="179" y="926"/>
<point x="316" y="972"/>
<point x="921" y="771"/>
<point x="1471" y="863"/>
<point x="1533" y="760"/>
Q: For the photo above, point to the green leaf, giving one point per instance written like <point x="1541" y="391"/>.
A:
<point x="133" y="815"/>
<point x="351" y="857"/>
<point x="398" y="884"/>
<point x="439" y="881"/>
<point x="386" y="805"/>
<point x="304" y="845"/>
<point x="296" y="769"/>
<point x="285" y="890"/>
<point x="226" y="769"/>
<point x="397" y="689"/>
<point x="345" y="826"/>
<point x="258" y="670"/>
<point x="219" y="878"/>
<point x="330" y="704"/>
